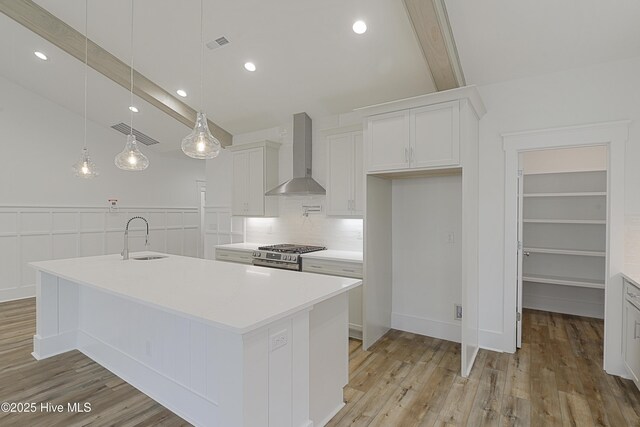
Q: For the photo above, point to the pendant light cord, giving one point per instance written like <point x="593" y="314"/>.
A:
<point x="201" y="56"/>
<point x="86" y="61"/>
<point x="131" y="77"/>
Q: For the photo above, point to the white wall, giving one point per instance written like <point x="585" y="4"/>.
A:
<point x="40" y="141"/>
<point x="427" y="266"/>
<point x="604" y="92"/>
<point x="290" y="225"/>
<point x="46" y="212"/>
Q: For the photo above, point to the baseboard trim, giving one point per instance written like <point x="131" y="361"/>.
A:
<point x="432" y="328"/>
<point x="13" y="294"/>
<point x="330" y="416"/>
<point x="490" y="340"/>
<point x="355" y="331"/>
<point x="565" y="306"/>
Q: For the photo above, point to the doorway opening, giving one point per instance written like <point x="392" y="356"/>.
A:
<point x="613" y="137"/>
<point x="562" y="224"/>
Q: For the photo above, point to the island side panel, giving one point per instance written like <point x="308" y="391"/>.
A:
<point x="276" y="380"/>
<point x="173" y="359"/>
<point x="56" y="316"/>
<point x="329" y="357"/>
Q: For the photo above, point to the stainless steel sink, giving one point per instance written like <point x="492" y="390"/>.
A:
<point x="148" y="257"/>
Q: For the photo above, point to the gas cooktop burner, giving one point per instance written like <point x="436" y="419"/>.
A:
<point x="289" y="248"/>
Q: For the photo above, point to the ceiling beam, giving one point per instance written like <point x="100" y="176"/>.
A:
<point x="433" y="31"/>
<point x="49" y="27"/>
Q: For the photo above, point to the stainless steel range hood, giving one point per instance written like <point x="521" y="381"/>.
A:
<point x="302" y="184"/>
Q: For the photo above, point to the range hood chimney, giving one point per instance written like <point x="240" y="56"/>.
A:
<point x="301" y="184"/>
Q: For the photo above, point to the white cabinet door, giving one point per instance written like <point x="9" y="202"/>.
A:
<point x="239" y="202"/>
<point x="435" y="135"/>
<point x="358" y="175"/>
<point x="340" y="174"/>
<point x="255" y="186"/>
<point x="632" y="340"/>
<point x="388" y="141"/>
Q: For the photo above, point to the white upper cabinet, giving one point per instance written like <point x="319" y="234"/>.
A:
<point x="345" y="174"/>
<point x="388" y="136"/>
<point x="418" y="138"/>
<point x="435" y="135"/>
<point x="255" y="171"/>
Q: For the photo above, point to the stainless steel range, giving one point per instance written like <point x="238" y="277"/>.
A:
<point x="285" y="256"/>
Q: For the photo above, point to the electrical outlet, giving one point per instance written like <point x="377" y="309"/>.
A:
<point x="457" y="311"/>
<point x="279" y="339"/>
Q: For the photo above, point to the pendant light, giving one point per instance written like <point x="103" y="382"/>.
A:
<point x="85" y="168"/>
<point x="200" y="143"/>
<point x="131" y="158"/>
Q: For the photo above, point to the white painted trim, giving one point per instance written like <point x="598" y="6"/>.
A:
<point x="490" y="340"/>
<point x="22" y="292"/>
<point x="469" y="92"/>
<point x="329" y="417"/>
<point x="614" y="135"/>
<point x="563" y="305"/>
<point x="449" y="331"/>
<point x="355" y="331"/>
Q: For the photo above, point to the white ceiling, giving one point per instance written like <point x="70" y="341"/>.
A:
<point x="500" y="40"/>
<point x="308" y="59"/>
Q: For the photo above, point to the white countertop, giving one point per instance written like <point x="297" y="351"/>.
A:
<point x="332" y="255"/>
<point x="231" y="296"/>
<point x="245" y="247"/>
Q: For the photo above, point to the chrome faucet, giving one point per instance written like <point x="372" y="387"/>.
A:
<point x="125" y="251"/>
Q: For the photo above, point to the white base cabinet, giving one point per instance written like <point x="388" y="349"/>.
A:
<point x="344" y="269"/>
<point x="255" y="171"/>
<point x="631" y="331"/>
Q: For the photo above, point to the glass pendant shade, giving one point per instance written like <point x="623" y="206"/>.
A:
<point x="201" y="144"/>
<point x="85" y="168"/>
<point x="131" y="158"/>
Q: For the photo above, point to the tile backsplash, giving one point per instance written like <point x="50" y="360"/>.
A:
<point x="291" y="226"/>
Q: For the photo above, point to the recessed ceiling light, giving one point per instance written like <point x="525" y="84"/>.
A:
<point x="181" y="92"/>
<point x="40" y="55"/>
<point x="359" y="27"/>
<point x="250" y="66"/>
<point x="134" y="109"/>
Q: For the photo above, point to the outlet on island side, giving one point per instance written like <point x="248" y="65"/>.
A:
<point x="279" y="339"/>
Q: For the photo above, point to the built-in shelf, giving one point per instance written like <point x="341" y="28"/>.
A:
<point x="564" y="281"/>
<point x="576" y="194"/>
<point x="565" y="252"/>
<point x="565" y="221"/>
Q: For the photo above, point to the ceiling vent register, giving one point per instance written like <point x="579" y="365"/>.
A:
<point x="140" y="137"/>
<point x="219" y="42"/>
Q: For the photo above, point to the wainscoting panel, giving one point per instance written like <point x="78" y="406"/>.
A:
<point x="37" y="233"/>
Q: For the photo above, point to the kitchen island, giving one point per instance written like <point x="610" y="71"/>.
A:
<point x="219" y="344"/>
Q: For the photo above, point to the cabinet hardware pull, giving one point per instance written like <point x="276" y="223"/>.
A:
<point x="348" y="270"/>
<point x="527" y="253"/>
<point x="315" y="266"/>
<point x="406" y="155"/>
<point x="635" y="331"/>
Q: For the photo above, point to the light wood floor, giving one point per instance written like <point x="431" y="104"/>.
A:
<point x="404" y="380"/>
